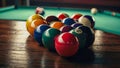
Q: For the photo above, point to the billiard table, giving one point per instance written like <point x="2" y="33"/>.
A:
<point x="104" y="20"/>
<point x="19" y="50"/>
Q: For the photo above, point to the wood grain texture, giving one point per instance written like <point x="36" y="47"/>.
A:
<point x="19" y="50"/>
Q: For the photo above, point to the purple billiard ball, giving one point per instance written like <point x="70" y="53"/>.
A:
<point x="76" y="25"/>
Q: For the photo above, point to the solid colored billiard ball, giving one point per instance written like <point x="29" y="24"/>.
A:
<point x="39" y="31"/>
<point x="56" y="24"/>
<point x="48" y="38"/>
<point x="80" y="35"/>
<point x="61" y="16"/>
<point x="66" y="44"/>
<point x="68" y="21"/>
<point x="76" y="16"/>
<point x="87" y="20"/>
<point x="66" y="28"/>
<point x="94" y="10"/>
<point x="90" y="36"/>
<point x="51" y="18"/>
<point x="33" y="21"/>
<point x="40" y="11"/>
<point x="76" y="25"/>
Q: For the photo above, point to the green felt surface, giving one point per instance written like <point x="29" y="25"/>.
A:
<point x="104" y="21"/>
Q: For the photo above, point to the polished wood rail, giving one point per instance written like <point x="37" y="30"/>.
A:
<point x="19" y="50"/>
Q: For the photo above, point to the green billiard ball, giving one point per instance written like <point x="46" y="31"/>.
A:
<point x="48" y="38"/>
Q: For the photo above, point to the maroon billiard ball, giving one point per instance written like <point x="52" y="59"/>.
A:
<point x="51" y="18"/>
<point x="66" y="28"/>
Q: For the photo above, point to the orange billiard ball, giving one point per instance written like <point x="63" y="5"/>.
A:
<point x="56" y="24"/>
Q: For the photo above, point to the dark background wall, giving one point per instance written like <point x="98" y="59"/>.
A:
<point x="101" y="4"/>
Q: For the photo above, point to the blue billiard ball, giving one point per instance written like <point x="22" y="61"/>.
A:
<point x="39" y="31"/>
<point x="68" y="21"/>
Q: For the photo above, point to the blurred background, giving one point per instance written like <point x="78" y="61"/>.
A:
<point x="113" y="5"/>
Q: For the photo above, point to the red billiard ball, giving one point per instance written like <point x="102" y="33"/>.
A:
<point x="61" y="16"/>
<point x="76" y="16"/>
<point x="66" y="44"/>
<point x="48" y="38"/>
<point x="51" y="18"/>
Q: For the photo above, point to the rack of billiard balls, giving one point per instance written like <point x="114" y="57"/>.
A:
<point x="62" y="33"/>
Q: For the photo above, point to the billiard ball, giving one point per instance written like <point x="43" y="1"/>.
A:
<point x="56" y="24"/>
<point x="66" y="28"/>
<point x="40" y="11"/>
<point x="113" y="13"/>
<point x="68" y="21"/>
<point x="66" y="44"/>
<point x="76" y="25"/>
<point x="80" y="35"/>
<point x="48" y="38"/>
<point x="33" y="17"/>
<point x="94" y="10"/>
<point x="87" y="20"/>
<point x="39" y="31"/>
<point x="76" y="16"/>
<point x="33" y="21"/>
<point x="90" y="36"/>
<point x="51" y="18"/>
<point x="61" y="16"/>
